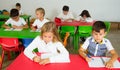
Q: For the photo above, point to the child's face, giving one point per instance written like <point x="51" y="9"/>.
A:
<point x="39" y="14"/>
<point x="84" y="16"/>
<point x="15" y="18"/>
<point x="98" y="36"/>
<point x="47" y="36"/>
<point x="65" y="12"/>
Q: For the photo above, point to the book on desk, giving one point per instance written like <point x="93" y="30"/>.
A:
<point x="98" y="62"/>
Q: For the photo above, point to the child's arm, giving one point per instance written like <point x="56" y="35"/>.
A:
<point x="6" y="26"/>
<point x="83" y="48"/>
<point x="20" y="27"/>
<point x="82" y="53"/>
<point x="70" y="19"/>
<point x="25" y="26"/>
<point x="114" y="57"/>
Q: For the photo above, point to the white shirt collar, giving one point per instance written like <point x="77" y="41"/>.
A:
<point x="103" y="41"/>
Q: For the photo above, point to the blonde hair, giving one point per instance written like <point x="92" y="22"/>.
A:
<point x="51" y="27"/>
<point x="41" y="10"/>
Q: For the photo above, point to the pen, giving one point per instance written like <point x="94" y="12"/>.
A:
<point x="89" y="56"/>
<point x="102" y="60"/>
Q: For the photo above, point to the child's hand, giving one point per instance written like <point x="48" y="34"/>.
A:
<point x="44" y="61"/>
<point x="36" y="59"/>
<point x="88" y="59"/>
<point x="7" y="27"/>
<point x="17" y="27"/>
<point x="109" y="64"/>
<point x="34" y="29"/>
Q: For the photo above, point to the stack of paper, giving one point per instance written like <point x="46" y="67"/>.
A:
<point x="11" y="29"/>
<point x="100" y="62"/>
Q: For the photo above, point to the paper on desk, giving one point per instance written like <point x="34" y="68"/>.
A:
<point x="17" y="29"/>
<point x="97" y="62"/>
<point x="8" y="29"/>
<point x="37" y="30"/>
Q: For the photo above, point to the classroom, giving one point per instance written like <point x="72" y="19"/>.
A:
<point x="59" y="34"/>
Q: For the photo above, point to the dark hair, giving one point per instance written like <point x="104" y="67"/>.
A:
<point x="65" y="8"/>
<point x="14" y="13"/>
<point x="98" y="25"/>
<point x="18" y="4"/>
<point x="86" y="13"/>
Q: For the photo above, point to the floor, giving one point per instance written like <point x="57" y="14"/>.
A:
<point x="113" y="36"/>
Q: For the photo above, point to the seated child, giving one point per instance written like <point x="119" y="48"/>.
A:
<point x="18" y="7"/>
<point x="84" y="16"/>
<point x="15" y="21"/>
<point x="66" y="15"/>
<point x="40" y="21"/>
<point x="49" y="45"/>
<point x="97" y="45"/>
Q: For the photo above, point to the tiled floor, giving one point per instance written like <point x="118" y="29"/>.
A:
<point x="113" y="36"/>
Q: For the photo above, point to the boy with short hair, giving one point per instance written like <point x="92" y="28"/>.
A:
<point x="66" y="15"/>
<point x="97" y="45"/>
<point x="15" y="21"/>
<point x="18" y="7"/>
<point x="40" y="21"/>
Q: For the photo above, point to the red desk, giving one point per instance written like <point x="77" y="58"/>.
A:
<point x="77" y="63"/>
<point x="75" y="23"/>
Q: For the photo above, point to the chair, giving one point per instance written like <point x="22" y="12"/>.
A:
<point x="70" y="29"/>
<point x="9" y="44"/>
<point x="26" y="41"/>
<point x="1" y="23"/>
<point x="83" y="32"/>
<point x="108" y="24"/>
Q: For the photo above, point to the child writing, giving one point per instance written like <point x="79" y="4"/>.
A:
<point x="66" y="15"/>
<point x="15" y="21"/>
<point x="97" y="45"/>
<point x="40" y="21"/>
<point x="84" y="16"/>
<point x="18" y="7"/>
<point x="49" y="45"/>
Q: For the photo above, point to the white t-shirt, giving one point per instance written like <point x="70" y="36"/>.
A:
<point x="49" y="50"/>
<point x="20" y="22"/>
<point x="64" y="17"/>
<point x="21" y="12"/>
<point x="39" y="23"/>
<point x="89" y="19"/>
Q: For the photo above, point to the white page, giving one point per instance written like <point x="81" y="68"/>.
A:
<point x="17" y="29"/>
<point x="35" y="31"/>
<point x="97" y="62"/>
<point x="116" y="63"/>
<point x="8" y="29"/>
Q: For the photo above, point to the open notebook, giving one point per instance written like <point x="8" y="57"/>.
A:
<point x="99" y="62"/>
<point x="11" y="29"/>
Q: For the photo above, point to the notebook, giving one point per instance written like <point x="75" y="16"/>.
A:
<point x="99" y="62"/>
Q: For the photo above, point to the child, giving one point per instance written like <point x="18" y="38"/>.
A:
<point x="18" y="7"/>
<point x="97" y="45"/>
<point x="49" y="45"/>
<point x="40" y="21"/>
<point x="15" y="21"/>
<point x="66" y="15"/>
<point x="84" y="16"/>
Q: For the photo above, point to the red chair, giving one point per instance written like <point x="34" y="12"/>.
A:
<point x="9" y="44"/>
